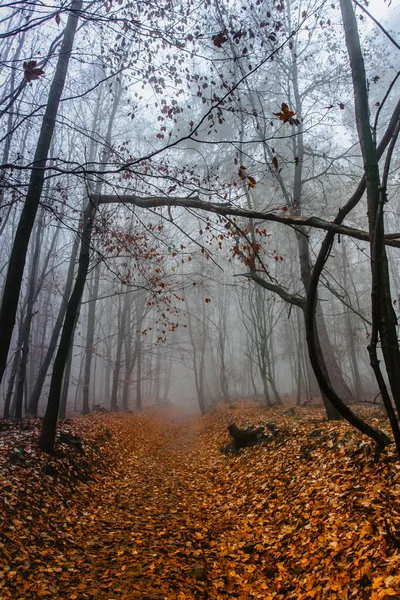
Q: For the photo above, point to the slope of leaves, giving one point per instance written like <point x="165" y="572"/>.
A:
<point x="147" y="506"/>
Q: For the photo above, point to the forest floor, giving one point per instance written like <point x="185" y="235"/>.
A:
<point x="146" y="506"/>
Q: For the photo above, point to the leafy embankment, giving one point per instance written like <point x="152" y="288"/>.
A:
<point x="149" y="507"/>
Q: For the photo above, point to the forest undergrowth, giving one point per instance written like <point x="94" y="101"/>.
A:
<point x="147" y="506"/>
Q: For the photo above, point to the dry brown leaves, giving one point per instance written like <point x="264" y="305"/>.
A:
<point x="149" y="508"/>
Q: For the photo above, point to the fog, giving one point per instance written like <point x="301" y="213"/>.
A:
<point x="169" y="176"/>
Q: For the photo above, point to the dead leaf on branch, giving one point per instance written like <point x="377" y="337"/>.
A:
<point x="219" y="39"/>
<point x="244" y="177"/>
<point x="31" y="71"/>
<point x="286" y="115"/>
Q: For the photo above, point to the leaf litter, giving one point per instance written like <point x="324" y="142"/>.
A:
<point x="147" y="506"/>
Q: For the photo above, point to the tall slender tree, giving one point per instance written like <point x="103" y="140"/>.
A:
<point x="12" y="285"/>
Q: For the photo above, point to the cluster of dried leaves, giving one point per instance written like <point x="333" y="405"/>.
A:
<point x="148" y="507"/>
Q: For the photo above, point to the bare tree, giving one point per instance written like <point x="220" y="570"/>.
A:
<point x="15" y="271"/>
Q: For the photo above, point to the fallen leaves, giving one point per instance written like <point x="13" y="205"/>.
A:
<point x="151" y="508"/>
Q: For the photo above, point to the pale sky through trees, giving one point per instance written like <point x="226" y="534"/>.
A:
<point x="248" y="107"/>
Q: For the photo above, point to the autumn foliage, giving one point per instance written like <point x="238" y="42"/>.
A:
<point x="286" y="115"/>
<point x="147" y="506"/>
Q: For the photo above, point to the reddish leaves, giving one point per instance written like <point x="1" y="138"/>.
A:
<point x="244" y="177"/>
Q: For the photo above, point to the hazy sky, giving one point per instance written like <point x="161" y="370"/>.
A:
<point x="386" y="11"/>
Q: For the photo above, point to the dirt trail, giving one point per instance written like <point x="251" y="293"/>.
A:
<point x="315" y="513"/>
<point x="153" y="532"/>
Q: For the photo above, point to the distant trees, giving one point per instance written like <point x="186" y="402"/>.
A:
<point x="202" y="134"/>
<point x="12" y="284"/>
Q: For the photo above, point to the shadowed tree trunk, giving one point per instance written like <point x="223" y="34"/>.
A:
<point x="35" y="396"/>
<point x="67" y="374"/>
<point x="48" y="432"/>
<point x="384" y="322"/>
<point x="12" y="286"/>
<point x="47" y="436"/>
<point x="35" y="285"/>
<point x="13" y="374"/>
<point x="381" y="296"/>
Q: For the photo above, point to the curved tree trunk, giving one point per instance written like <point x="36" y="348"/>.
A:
<point x="387" y="322"/>
<point x="48" y="432"/>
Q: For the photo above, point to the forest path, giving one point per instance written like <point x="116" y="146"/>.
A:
<point x="157" y="525"/>
<point x="153" y="510"/>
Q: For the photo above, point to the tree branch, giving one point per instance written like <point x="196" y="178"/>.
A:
<point x="277" y="289"/>
<point x="227" y="209"/>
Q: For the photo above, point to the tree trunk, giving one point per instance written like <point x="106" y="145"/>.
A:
<point x="304" y="248"/>
<point x="32" y="282"/>
<point x="95" y="289"/>
<point x="120" y="344"/>
<point x="12" y="286"/>
<point x="138" y="371"/>
<point x="35" y="396"/>
<point x="47" y="436"/>
<point x="11" y="381"/>
<point x="157" y="377"/>
<point x="167" y="377"/>
<point x="67" y="376"/>
<point x="384" y="313"/>
<point x="90" y="339"/>
<point x="130" y="360"/>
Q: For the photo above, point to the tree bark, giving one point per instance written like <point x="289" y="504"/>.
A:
<point x="12" y="286"/>
<point x="48" y="432"/>
<point x="35" y="396"/>
<point x="383" y="315"/>
<point x="90" y="340"/>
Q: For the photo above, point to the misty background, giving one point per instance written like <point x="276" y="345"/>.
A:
<point x="172" y="311"/>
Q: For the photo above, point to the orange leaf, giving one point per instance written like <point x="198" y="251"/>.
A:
<point x="286" y="115"/>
